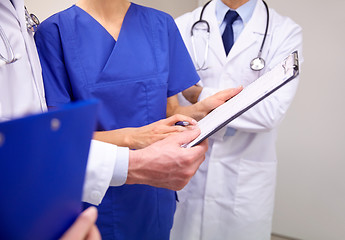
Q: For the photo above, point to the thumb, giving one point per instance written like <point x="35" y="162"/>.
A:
<point x="229" y="93"/>
<point x="82" y="226"/>
<point x="186" y="136"/>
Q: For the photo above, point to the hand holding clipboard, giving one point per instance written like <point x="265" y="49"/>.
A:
<point x="248" y="97"/>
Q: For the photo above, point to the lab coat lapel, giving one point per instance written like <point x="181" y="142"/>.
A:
<point x="252" y="33"/>
<point x="216" y="42"/>
<point x="12" y="7"/>
<point x="18" y="11"/>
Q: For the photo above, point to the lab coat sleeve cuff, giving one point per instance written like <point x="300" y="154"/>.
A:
<point x="99" y="171"/>
<point x="206" y="92"/>
<point x="121" y="167"/>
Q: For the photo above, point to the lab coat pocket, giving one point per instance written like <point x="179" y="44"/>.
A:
<point x="255" y="190"/>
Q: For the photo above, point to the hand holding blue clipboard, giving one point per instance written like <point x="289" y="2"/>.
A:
<point x="43" y="162"/>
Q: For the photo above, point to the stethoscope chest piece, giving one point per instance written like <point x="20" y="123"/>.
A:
<point x="257" y="64"/>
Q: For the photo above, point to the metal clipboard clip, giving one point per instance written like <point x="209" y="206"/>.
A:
<point x="291" y="62"/>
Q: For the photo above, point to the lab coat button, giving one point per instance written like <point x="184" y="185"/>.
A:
<point x="95" y="195"/>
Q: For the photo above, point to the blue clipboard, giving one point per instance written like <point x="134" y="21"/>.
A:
<point x="43" y="161"/>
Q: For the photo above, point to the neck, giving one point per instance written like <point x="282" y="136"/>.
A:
<point x="105" y="9"/>
<point x="109" y="13"/>
<point x="234" y="4"/>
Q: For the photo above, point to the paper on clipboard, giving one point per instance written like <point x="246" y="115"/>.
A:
<point x="248" y="97"/>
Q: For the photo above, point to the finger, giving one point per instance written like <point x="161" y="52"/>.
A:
<point x="230" y="92"/>
<point x="186" y="136"/>
<point x="179" y="117"/>
<point x="82" y="226"/>
<point x="94" y="234"/>
<point x="177" y="129"/>
<point x="199" y="152"/>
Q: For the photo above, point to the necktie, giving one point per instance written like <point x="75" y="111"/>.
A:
<point x="228" y="35"/>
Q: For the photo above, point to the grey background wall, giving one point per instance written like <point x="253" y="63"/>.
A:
<point x="311" y="191"/>
<point x="45" y="8"/>
<point x="311" y="145"/>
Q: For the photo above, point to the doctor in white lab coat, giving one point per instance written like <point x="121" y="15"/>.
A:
<point x="232" y="194"/>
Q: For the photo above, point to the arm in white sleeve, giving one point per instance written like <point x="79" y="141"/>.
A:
<point x="107" y="166"/>
<point x="267" y="114"/>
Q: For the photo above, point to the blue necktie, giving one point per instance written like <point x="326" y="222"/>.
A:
<point x="228" y="35"/>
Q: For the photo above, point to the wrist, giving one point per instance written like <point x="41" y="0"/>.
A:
<point x="128" y="139"/>
<point x="133" y="162"/>
<point x="200" y="110"/>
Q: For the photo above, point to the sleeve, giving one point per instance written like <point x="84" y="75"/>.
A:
<point x="267" y="114"/>
<point x="182" y="73"/>
<point x="49" y="45"/>
<point x="107" y="166"/>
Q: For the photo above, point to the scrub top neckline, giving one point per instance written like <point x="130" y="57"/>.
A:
<point x="95" y="20"/>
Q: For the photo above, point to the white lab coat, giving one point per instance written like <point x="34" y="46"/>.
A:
<point x="232" y="194"/>
<point x="22" y="93"/>
<point x="21" y="85"/>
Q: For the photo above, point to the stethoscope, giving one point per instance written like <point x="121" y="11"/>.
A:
<point x="256" y="64"/>
<point x="32" y="23"/>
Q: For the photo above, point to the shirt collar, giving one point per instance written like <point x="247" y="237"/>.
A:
<point x="245" y="11"/>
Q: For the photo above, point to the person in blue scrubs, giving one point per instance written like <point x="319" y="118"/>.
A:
<point x="132" y="58"/>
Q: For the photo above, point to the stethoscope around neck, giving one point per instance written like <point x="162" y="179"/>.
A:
<point x="32" y="23"/>
<point x="256" y="64"/>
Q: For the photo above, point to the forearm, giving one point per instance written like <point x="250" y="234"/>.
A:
<point x="119" y="137"/>
<point x="141" y="137"/>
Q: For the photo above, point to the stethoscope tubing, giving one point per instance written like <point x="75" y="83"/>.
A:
<point x="32" y="23"/>
<point x="258" y="59"/>
<point x="266" y="30"/>
<point x="12" y="58"/>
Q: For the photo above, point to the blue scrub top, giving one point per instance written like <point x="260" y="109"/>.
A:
<point x="132" y="77"/>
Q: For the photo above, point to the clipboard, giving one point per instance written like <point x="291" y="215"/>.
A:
<point x="43" y="162"/>
<point x="248" y="97"/>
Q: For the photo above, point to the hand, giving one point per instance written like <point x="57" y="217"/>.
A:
<point x="138" y="138"/>
<point x="166" y="164"/>
<point x="214" y="101"/>
<point x="84" y="227"/>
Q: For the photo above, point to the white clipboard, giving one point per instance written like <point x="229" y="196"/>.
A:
<point x="248" y="97"/>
